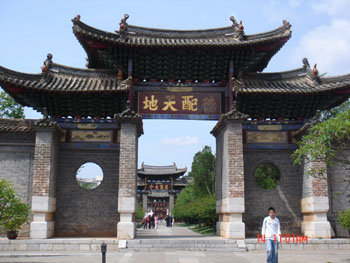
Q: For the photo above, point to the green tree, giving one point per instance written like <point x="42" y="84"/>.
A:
<point x="267" y="176"/>
<point x="331" y="113"/>
<point x="197" y="202"/>
<point x="139" y="212"/>
<point x="9" y="108"/>
<point x="13" y="212"/>
<point x="326" y="141"/>
<point x="344" y="219"/>
<point x="203" y="172"/>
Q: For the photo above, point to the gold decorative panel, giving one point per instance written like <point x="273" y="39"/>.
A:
<point x="267" y="137"/>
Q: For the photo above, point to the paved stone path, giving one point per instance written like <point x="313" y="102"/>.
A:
<point x="311" y="256"/>
<point x="174" y="232"/>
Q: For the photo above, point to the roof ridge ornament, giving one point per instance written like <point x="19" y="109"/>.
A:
<point x="45" y="121"/>
<point x="313" y="73"/>
<point x="47" y="64"/>
<point x="128" y="115"/>
<point x="285" y="22"/>
<point x="125" y="83"/>
<point x="123" y="27"/>
<point x="237" y="28"/>
<point x="235" y="114"/>
<point x="238" y="83"/>
<point x="76" y="18"/>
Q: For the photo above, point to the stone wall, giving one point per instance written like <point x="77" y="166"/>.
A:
<point x="285" y="197"/>
<point x="82" y="212"/>
<point x="16" y="164"/>
<point x="339" y="195"/>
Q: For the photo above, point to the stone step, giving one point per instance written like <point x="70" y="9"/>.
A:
<point x="188" y="244"/>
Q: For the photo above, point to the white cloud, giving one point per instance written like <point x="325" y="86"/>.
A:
<point x="184" y="140"/>
<point x="339" y="8"/>
<point x="326" y="45"/>
<point x="276" y="11"/>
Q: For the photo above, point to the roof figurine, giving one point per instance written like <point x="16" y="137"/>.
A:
<point x="47" y="64"/>
<point x="76" y="18"/>
<point x="315" y="71"/>
<point x="123" y="24"/>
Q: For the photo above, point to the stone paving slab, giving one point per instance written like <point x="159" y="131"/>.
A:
<point x="286" y="256"/>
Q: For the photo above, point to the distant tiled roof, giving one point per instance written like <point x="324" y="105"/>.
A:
<point x="16" y="125"/>
<point x="161" y="170"/>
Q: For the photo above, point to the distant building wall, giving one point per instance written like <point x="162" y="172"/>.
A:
<point x="82" y="212"/>
<point x="285" y="198"/>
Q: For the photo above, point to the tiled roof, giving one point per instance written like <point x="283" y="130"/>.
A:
<point x="143" y="36"/>
<point x="298" y="81"/>
<point x="16" y="125"/>
<point x="161" y="170"/>
<point x="65" y="79"/>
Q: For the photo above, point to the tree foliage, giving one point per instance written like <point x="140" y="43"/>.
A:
<point x="9" y="108"/>
<point x="197" y="202"/>
<point x="333" y="112"/>
<point x="203" y="172"/>
<point x="267" y="176"/>
<point x="326" y="142"/>
<point x="13" y="212"/>
<point x="344" y="219"/>
<point x="139" y="212"/>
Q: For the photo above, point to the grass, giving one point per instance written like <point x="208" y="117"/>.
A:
<point x="200" y="229"/>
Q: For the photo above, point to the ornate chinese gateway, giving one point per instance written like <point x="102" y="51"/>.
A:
<point x="95" y="115"/>
<point x="158" y="186"/>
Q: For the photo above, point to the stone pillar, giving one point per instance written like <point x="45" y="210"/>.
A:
<point x="130" y="130"/>
<point x="314" y="202"/>
<point x="144" y="201"/>
<point x="230" y="174"/>
<point x="171" y="202"/>
<point x="44" y="178"/>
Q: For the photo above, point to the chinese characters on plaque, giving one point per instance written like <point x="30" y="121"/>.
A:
<point x="164" y="187"/>
<point x="179" y="103"/>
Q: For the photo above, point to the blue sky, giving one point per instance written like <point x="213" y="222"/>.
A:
<point x="31" y="29"/>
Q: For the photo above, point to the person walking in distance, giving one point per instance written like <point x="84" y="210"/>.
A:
<point x="271" y="230"/>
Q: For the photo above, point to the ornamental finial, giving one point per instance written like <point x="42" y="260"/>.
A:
<point x="123" y="24"/>
<point x="306" y="62"/>
<point x="47" y="63"/>
<point x="76" y="18"/>
<point x="315" y="71"/>
<point x="234" y="22"/>
<point x="285" y="22"/>
<point x="120" y="74"/>
<point x="240" y="26"/>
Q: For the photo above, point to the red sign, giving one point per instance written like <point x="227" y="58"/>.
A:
<point x="179" y="103"/>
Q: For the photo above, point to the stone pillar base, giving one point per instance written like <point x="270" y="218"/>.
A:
<point x="42" y="229"/>
<point x="316" y="229"/>
<point x="234" y="230"/>
<point x="43" y="225"/>
<point x="126" y="230"/>
<point x="315" y="223"/>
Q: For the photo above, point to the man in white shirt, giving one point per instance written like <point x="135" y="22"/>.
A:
<point x="271" y="230"/>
